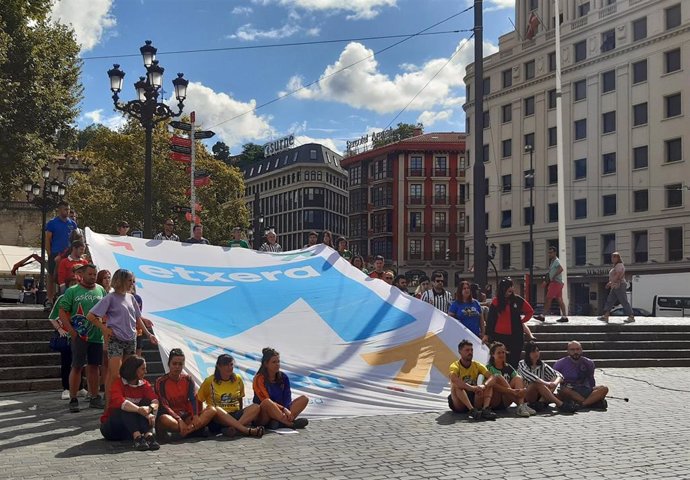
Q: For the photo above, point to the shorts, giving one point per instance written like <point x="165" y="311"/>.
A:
<point x="140" y="342"/>
<point x="470" y="395"/>
<point x="582" y="390"/>
<point x="215" y="427"/>
<point x="555" y="290"/>
<point x="51" y="264"/>
<point x="86" y="353"/>
<point x="120" y="348"/>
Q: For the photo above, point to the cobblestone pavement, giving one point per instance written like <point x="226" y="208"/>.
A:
<point x="645" y="438"/>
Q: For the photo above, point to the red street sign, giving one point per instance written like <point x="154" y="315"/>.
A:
<point x="180" y="141"/>
<point x="180" y="157"/>
<point x="202" y="181"/>
<point x="197" y="207"/>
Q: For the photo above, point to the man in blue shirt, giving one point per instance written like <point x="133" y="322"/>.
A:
<point x="58" y="231"/>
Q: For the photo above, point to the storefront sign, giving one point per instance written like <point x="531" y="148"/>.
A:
<point x="271" y="148"/>
<point x="365" y="142"/>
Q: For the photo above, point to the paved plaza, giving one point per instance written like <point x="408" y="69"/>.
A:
<point x="646" y="438"/>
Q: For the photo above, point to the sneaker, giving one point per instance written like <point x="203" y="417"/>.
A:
<point x="562" y="320"/>
<point x="300" y="423"/>
<point x="567" y="407"/>
<point x="96" y="402"/>
<point x="274" y="425"/>
<point x="141" y="444"/>
<point x="488" y="414"/>
<point x="531" y="411"/>
<point x="522" y="411"/>
<point x="152" y="443"/>
<point x="475" y="414"/>
<point x="539" y="317"/>
<point x="603" y="319"/>
<point x="538" y="406"/>
<point x="83" y="393"/>
<point x="65" y="395"/>
<point x="600" y="405"/>
<point x="629" y="320"/>
<point x="74" y="405"/>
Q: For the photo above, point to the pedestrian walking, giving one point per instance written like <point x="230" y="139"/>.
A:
<point x="618" y="287"/>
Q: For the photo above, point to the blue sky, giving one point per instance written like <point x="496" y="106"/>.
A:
<point x="225" y="84"/>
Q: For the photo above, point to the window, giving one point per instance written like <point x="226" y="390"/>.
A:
<point x="416" y="193"/>
<point x="580" y="167"/>
<point x="580" y="248"/>
<point x="608" y="40"/>
<point x="505" y="256"/>
<point x="486" y="119"/>
<point x="415" y="221"/>
<point x="528" y="214"/>
<point x="580" y="90"/>
<point x="583" y="9"/>
<point x="639" y="71"/>
<point x="529" y="139"/>
<point x="580" y="208"/>
<point x="506" y="218"/>
<point x="507" y="183"/>
<point x="553" y="136"/>
<point x="608" y="81"/>
<point x="640" y="114"/>
<point x="527" y="254"/>
<point x="641" y="157"/>
<point x="609" y="204"/>
<point x="580" y="129"/>
<point x="608" y="243"/>
<point x="529" y="179"/>
<point x="674" y="195"/>
<point x="487" y="85"/>
<point x="440" y="193"/>
<point x="674" y="149"/>
<point x="415" y="249"/>
<point x="355" y="175"/>
<point x="533" y="5"/>
<point x="553" y="212"/>
<point x="641" y="200"/>
<point x="674" y="243"/>
<point x="672" y="60"/>
<point x="415" y="167"/>
<point x="507" y="148"/>
<point x="529" y="106"/>
<point x="672" y="105"/>
<point x="580" y="51"/>
<point x="553" y="174"/>
<point x="608" y="122"/>
<point x="507" y="113"/>
<point x="312" y="154"/>
<point x="467" y="122"/>
<point x="552" y="61"/>
<point x="529" y="69"/>
<point x="640" y="247"/>
<point x="608" y="163"/>
<point x="639" y="28"/>
<point x="507" y="76"/>
<point x="486" y="186"/>
<point x="440" y="224"/>
<point x="672" y="17"/>
<point x="552" y="99"/>
<point x="485" y="153"/>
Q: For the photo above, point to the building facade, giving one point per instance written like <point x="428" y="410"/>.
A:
<point x="298" y="190"/>
<point x="625" y="93"/>
<point x="406" y="203"/>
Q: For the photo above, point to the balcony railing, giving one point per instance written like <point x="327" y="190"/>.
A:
<point x="440" y="228"/>
<point x="440" y="172"/>
<point x="415" y="172"/>
<point x="440" y="199"/>
<point x="415" y="200"/>
<point x="414" y="256"/>
<point x="417" y="228"/>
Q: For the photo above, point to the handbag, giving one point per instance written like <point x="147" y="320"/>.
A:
<point x="58" y="343"/>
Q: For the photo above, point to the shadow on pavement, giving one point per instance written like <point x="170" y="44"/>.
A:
<point x="449" y="418"/>
<point x="96" y="447"/>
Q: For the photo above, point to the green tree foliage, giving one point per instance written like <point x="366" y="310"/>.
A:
<point x="221" y="152"/>
<point x="39" y="85"/>
<point x="251" y="153"/>
<point x="113" y="190"/>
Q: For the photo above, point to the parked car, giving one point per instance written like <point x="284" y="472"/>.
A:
<point x="638" y="312"/>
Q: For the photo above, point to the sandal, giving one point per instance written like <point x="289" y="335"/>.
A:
<point x="257" y="432"/>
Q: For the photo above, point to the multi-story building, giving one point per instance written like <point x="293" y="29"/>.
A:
<point x="625" y="93"/>
<point x="297" y="190"/>
<point x="406" y="203"/>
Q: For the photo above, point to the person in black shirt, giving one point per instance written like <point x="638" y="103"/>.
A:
<point x="197" y="235"/>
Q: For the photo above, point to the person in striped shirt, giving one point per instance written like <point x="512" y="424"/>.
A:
<point x="438" y="296"/>
<point x="271" y="244"/>
<point x="541" y="381"/>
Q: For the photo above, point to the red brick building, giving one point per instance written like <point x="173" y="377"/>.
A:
<point x="407" y="204"/>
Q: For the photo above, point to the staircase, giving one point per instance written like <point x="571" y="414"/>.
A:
<point x="618" y="346"/>
<point x="26" y="360"/>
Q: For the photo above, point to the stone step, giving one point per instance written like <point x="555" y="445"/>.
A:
<point x="29" y="373"/>
<point x="609" y="336"/>
<point x="31" y="385"/>
<point x="24" y="347"/>
<point x="29" y="359"/>
<point x="622" y="354"/>
<point x="607" y="327"/>
<point x="560" y="345"/>
<point x="154" y="368"/>
<point x="642" y="363"/>
<point x="28" y="311"/>
<point x="27" y="335"/>
<point x="24" y="324"/>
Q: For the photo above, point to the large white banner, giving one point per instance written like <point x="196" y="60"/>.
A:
<point x="352" y="344"/>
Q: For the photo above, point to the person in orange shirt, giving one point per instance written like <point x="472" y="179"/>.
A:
<point x="378" y="272"/>
<point x="67" y="264"/>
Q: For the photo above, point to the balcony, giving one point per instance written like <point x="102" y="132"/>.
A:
<point x="608" y="10"/>
<point x="415" y="172"/>
<point x="417" y="228"/>
<point x="415" y="200"/>
<point x="440" y="172"/>
<point x="440" y="199"/>
<point x="441" y="228"/>
<point x="414" y="255"/>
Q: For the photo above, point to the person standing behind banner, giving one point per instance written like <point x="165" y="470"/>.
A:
<point x="423" y="286"/>
<point x="312" y="239"/>
<point x="507" y="314"/>
<point x="271" y="244"/>
<point x="65" y="270"/>
<point x="378" y="272"/>
<point x="237" y="240"/>
<point x="617" y="290"/>
<point x="467" y="310"/>
<point x="168" y="232"/>
<point x="358" y="263"/>
<point x="327" y="239"/>
<point x="342" y="249"/>
<point x="438" y="296"/>
<point x="272" y="393"/>
<point x="197" y="236"/>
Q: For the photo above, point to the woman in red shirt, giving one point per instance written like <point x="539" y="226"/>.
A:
<point x="507" y="314"/>
<point x="132" y="407"/>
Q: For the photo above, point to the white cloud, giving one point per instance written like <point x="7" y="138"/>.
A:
<point x="90" y="19"/>
<point x="335" y="145"/>
<point x="428" y="118"/>
<point x="360" y="9"/>
<point x="248" y="33"/>
<point x="364" y="86"/>
<point x="493" y="5"/>
<point x="215" y="107"/>
<point x="242" y="10"/>
<point x="113" y="122"/>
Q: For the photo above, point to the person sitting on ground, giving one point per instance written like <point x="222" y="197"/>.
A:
<point x="541" y="381"/>
<point x="177" y="395"/>
<point x="132" y="407"/>
<point x="272" y="393"/>
<point x="467" y="392"/>
<point x="224" y="390"/>
<point x="508" y="386"/>
<point x="467" y="310"/>
<point x="578" y="384"/>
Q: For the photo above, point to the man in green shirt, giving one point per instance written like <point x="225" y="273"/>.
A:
<point x="342" y="249"/>
<point x="87" y="340"/>
<point x="237" y="240"/>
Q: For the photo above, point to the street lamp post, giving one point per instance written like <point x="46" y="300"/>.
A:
<point x="491" y="254"/>
<point x="530" y="177"/>
<point x="149" y="111"/>
<point x="56" y="190"/>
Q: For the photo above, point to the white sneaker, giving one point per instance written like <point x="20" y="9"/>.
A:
<point x="522" y="411"/>
<point x="82" y="393"/>
<point x="629" y="320"/>
<point x="65" y="395"/>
